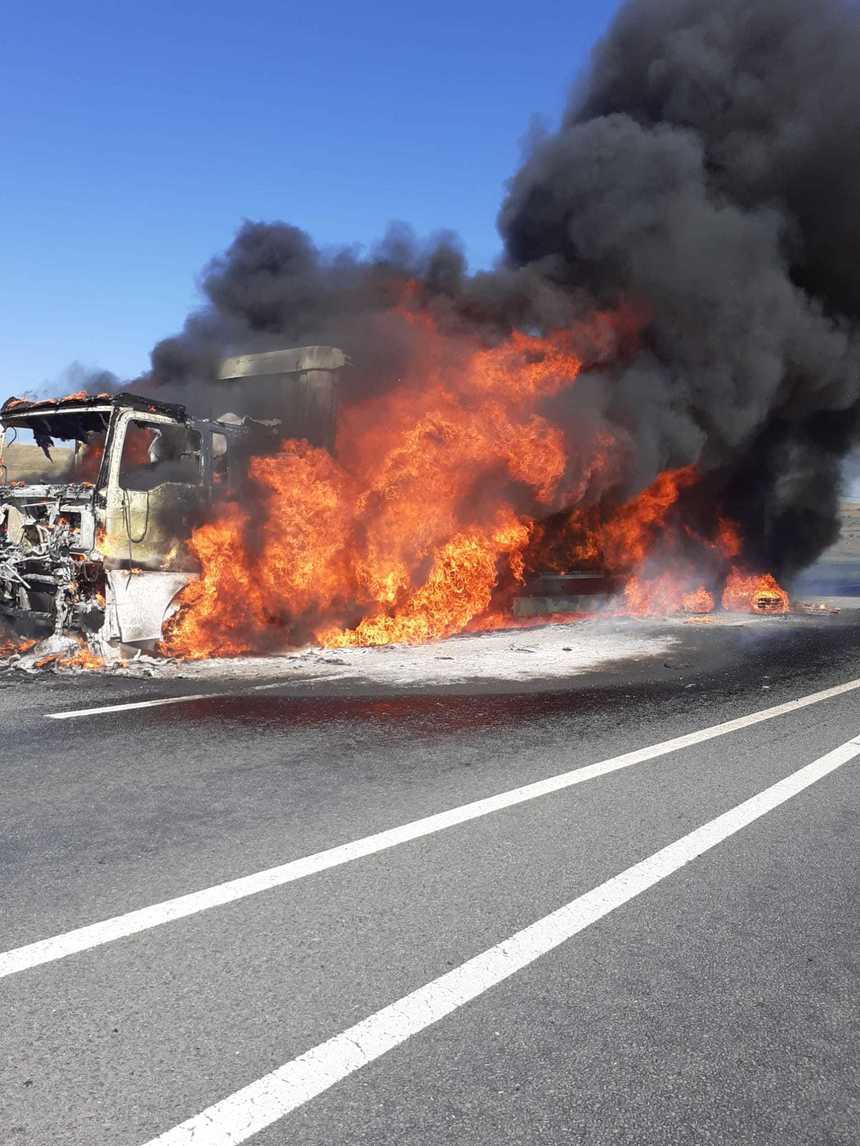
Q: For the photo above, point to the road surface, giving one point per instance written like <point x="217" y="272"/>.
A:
<point x="422" y="985"/>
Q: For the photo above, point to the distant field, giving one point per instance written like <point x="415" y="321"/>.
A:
<point x="847" y="548"/>
<point x="25" y="461"/>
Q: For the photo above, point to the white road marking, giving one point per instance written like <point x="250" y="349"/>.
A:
<point x="173" y="699"/>
<point x="145" y="918"/>
<point x="270" y="1098"/>
<point x="133" y="704"/>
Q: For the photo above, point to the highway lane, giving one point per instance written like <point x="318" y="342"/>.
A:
<point x="725" y="997"/>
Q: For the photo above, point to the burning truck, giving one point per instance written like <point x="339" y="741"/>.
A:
<point x="221" y="535"/>
<point x="93" y="539"/>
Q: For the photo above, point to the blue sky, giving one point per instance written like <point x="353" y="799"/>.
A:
<point x="136" y="137"/>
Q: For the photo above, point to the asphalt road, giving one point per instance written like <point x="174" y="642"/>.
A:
<point x="719" y="1004"/>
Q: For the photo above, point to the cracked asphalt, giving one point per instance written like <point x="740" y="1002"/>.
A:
<point x="721" y="1005"/>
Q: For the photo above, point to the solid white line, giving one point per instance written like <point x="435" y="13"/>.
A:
<point x="270" y="1098"/>
<point x="144" y="918"/>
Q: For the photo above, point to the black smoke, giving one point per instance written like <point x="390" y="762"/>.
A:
<point x="710" y="167"/>
<point x="274" y="287"/>
<point x="706" y="174"/>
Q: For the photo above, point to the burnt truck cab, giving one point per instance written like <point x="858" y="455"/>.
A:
<point x="94" y="532"/>
<point x="93" y="538"/>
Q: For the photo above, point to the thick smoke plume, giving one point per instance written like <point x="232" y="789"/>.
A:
<point x="705" y="178"/>
<point x="710" y="169"/>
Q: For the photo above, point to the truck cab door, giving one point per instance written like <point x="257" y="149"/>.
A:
<point x="155" y="492"/>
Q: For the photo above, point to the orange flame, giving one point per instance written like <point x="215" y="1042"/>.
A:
<point x="446" y="491"/>
<point x="754" y="593"/>
<point x="698" y="601"/>
<point x="664" y="595"/>
<point x="618" y="541"/>
<point x="84" y="658"/>
<point x="90" y="459"/>
<point x="404" y="537"/>
<point x="12" y="645"/>
<point x="138" y="440"/>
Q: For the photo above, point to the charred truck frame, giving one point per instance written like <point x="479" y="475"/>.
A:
<point x="98" y="544"/>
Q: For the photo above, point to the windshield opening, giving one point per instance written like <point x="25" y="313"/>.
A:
<point x="63" y="448"/>
<point x="155" y="453"/>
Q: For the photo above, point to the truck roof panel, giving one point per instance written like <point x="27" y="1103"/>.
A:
<point x="78" y="414"/>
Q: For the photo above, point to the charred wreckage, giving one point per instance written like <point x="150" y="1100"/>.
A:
<point x="93" y="538"/>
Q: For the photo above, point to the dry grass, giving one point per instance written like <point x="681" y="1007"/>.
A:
<point x="847" y="548"/>
<point x="27" y="461"/>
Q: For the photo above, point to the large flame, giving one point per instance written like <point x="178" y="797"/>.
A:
<point x="404" y="537"/>
<point x="439" y="502"/>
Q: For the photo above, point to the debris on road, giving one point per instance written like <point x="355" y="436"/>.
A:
<point x="815" y="608"/>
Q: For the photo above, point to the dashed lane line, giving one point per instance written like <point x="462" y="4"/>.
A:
<point x="75" y="713"/>
<point x="132" y="704"/>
